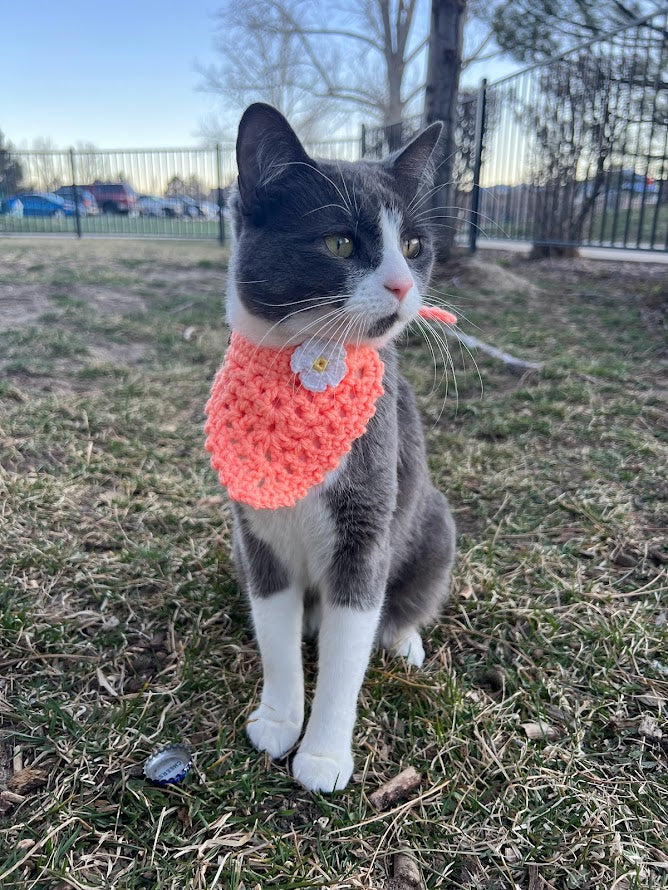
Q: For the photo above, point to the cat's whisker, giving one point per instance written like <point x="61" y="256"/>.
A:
<point x="324" y="322"/>
<point x="330" y="318"/>
<point x="324" y="207"/>
<point x="415" y="203"/>
<point x="436" y="187"/>
<point x="440" y="207"/>
<point x="448" y="363"/>
<point x="343" y="180"/>
<point x="431" y="210"/>
<point x="462" y="346"/>
<point x="292" y="315"/>
<point x="355" y="198"/>
<point x="436" y="299"/>
<point x="286" y="318"/>
<point x="339" y="336"/>
<point x="431" y="349"/>
<point x="468" y="215"/>
<point x="324" y="176"/>
<point x="441" y="343"/>
<point x="317" y="301"/>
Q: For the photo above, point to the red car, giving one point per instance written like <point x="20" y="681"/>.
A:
<point x="115" y="197"/>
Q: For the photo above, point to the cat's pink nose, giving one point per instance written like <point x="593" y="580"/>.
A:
<point x="399" y="287"/>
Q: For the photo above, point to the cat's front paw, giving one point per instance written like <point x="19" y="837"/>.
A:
<point x="320" y="772"/>
<point x="270" y="734"/>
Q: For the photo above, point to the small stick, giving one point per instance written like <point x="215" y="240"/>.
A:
<point x="399" y="786"/>
<point x="406" y="873"/>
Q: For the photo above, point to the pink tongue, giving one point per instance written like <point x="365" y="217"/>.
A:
<point x="432" y="313"/>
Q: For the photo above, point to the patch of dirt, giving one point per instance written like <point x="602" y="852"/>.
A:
<point x="572" y="271"/>
<point x="119" y="353"/>
<point x="21" y="305"/>
<point x="108" y="300"/>
<point x="475" y="273"/>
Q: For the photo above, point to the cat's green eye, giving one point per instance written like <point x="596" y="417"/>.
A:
<point x="411" y="247"/>
<point x="340" y="245"/>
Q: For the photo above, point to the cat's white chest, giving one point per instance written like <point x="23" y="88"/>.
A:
<point x="302" y="536"/>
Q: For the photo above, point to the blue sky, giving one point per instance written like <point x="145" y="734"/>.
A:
<point x="118" y="74"/>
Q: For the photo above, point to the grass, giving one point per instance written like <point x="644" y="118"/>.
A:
<point x="645" y="228"/>
<point x="116" y="224"/>
<point x="536" y="721"/>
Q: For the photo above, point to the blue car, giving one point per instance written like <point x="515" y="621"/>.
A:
<point x="43" y="204"/>
<point x="87" y="203"/>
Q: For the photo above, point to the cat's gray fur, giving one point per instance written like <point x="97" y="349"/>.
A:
<point x="382" y="535"/>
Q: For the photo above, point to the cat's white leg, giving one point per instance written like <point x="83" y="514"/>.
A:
<point x="324" y="760"/>
<point x="276" y="724"/>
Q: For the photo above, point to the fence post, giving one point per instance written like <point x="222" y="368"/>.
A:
<point x="221" y="218"/>
<point x="363" y="141"/>
<point x="477" y="163"/>
<point x="75" y="192"/>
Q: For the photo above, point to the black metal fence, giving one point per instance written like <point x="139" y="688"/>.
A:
<point x="573" y="151"/>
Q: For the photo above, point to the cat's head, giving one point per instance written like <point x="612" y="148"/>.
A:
<point x="336" y="250"/>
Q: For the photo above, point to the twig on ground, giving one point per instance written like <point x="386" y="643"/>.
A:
<point x="399" y="786"/>
<point x="514" y="364"/>
<point x="406" y="874"/>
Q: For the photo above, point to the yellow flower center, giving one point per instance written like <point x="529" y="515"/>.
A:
<point x="320" y="363"/>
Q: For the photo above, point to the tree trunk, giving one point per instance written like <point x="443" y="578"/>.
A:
<point x="394" y="112"/>
<point x="440" y="104"/>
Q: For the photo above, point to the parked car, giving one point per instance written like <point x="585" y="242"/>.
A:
<point x="209" y="210"/>
<point x="115" y="197"/>
<point x="173" y="207"/>
<point x="40" y="204"/>
<point x="87" y="203"/>
<point x="190" y="207"/>
<point x="634" y="182"/>
<point x="11" y="207"/>
<point x="635" y="186"/>
<point x="149" y="205"/>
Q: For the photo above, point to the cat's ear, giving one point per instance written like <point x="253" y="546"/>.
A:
<point x="267" y="148"/>
<point x="413" y="164"/>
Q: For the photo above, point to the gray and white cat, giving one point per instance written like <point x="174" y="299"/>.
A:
<point x="341" y="250"/>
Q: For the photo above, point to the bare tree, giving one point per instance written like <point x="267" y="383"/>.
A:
<point x="445" y="59"/>
<point x="531" y="30"/>
<point x="259" y="61"/>
<point x="306" y="58"/>
<point x="584" y="106"/>
<point x="89" y="163"/>
<point x="318" y="60"/>
<point x="46" y="165"/>
<point x="11" y="170"/>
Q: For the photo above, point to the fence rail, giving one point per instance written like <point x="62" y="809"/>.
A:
<point x="569" y="152"/>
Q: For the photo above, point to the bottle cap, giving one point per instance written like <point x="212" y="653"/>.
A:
<point x="168" y="765"/>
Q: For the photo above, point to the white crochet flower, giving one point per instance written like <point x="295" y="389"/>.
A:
<point x="319" y="364"/>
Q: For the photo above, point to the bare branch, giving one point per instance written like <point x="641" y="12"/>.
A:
<point x="290" y="52"/>
<point x="416" y="52"/>
<point x="475" y="55"/>
<point x="328" y="32"/>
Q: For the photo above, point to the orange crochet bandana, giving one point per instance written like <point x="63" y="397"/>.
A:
<point x="280" y="420"/>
